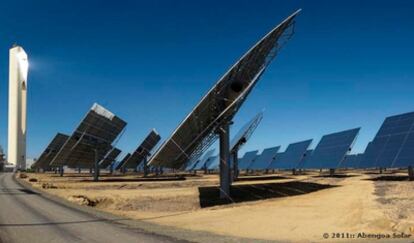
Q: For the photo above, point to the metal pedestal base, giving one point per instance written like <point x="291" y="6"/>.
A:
<point x="225" y="181"/>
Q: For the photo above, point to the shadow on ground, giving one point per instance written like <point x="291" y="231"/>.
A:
<point x="389" y="178"/>
<point x="139" y="179"/>
<point x="381" y="173"/>
<point x="260" y="178"/>
<point x="72" y="175"/>
<point x="335" y="176"/>
<point x="209" y="196"/>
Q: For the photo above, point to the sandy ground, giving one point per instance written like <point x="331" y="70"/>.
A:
<point x="344" y="208"/>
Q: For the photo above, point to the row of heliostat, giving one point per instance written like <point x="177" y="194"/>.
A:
<point x="93" y="141"/>
<point x="330" y="151"/>
<point x="392" y="147"/>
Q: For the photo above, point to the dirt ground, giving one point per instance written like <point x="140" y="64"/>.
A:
<point x="354" y="205"/>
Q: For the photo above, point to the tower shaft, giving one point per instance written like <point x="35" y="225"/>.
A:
<point x="18" y="69"/>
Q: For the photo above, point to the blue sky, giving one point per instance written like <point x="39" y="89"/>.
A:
<point x="350" y="64"/>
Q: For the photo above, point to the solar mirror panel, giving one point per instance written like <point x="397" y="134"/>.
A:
<point x="359" y="160"/>
<point x="355" y="162"/>
<point x="91" y="140"/>
<point x="390" y="150"/>
<point x="141" y="167"/>
<point x="392" y="145"/>
<point x="276" y="161"/>
<point x="143" y="150"/>
<point x="191" y="165"/>
<point x="209" y="161"/>
<point x="213" y="163"/>
<point x="303" y="164"/>
<point x="50" y="152"/>
<point x="109" y="158"/>
<point x="203" y="160"/>
<point x="247" y="160"/>
<point x="293" y="155"/>
<point x="119" y="165"/>
<point x="351" y="161"/>
<point x="199" y="129"/>
<point x="370" y="155"/>
<point x="245" y="132"/>
<point x="405" y="156"/>
<point x="332" y="148"/>
<point x="263" y="161"/>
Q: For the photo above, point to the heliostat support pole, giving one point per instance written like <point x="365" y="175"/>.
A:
<point x="96" y="170"/>
<point x="224" y="132"/>
<point x="146" y="167"/>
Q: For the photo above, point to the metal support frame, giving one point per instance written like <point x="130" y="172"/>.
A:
<point x="225" y="181"/>
<point x="61" y="171"/>
<point x="331" y="172"/>
<point x="146" y="167"/>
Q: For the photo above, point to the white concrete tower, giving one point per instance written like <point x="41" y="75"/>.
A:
<point x="18" y="69"/>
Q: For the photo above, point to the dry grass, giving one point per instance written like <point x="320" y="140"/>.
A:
<point x="286" y="208"/>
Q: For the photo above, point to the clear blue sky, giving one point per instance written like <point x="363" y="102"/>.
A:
<point x="349" y="64"/>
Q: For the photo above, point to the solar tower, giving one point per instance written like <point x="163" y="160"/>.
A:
<point x="18" y="70"/>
